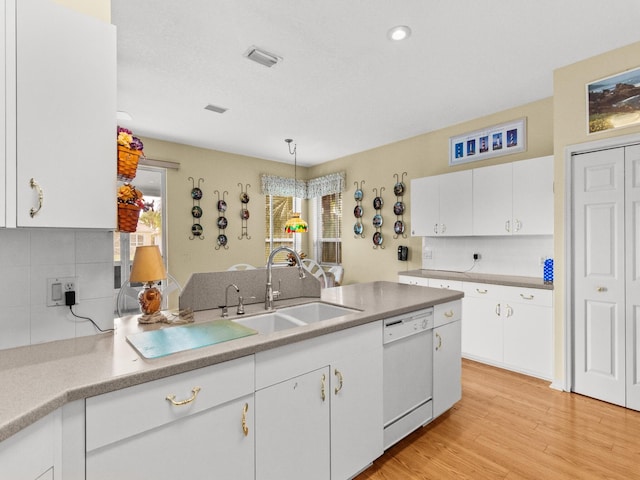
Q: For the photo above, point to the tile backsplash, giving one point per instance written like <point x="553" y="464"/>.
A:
<point x="514" y="255"/>
<point x="27" y="258"/>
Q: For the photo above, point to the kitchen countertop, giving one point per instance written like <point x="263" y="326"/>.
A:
<point x="38" y="379"/>
<point x="508" y="280"/>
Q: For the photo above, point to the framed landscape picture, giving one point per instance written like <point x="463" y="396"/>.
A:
<point x="503" y="139"/>
<point x="614" y="102"/>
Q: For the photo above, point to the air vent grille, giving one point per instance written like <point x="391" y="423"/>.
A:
<point x="215" y="108"/>
<point x="262" y="56"/>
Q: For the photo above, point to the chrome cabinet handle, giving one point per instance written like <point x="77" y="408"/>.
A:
<point x="439" y="341"/>
<point x="444" y="227"/>
<point x="338" y="374"/>
<point x="507" y="226"/>
<point x="322" y="388"/>
<point x="526" y="297"/>
<point x="177" y="403"/>
<point x="498" y="309"/>
<point x="435" y="228"/>
<point x="245" y="428"/>
<point x="518" y="225"/>
<point x="35" y="185"/>
<point x="509" y="311"/>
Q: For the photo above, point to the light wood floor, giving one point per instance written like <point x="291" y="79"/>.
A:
<point x="513" y="426"/>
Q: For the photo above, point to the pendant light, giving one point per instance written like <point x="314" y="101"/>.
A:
<point x="295" y="224"/>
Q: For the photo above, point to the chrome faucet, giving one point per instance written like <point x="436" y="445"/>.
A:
<point x="225" y="310"/>
<point x="268" y="297"/>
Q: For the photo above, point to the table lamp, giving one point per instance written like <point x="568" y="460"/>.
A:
<point x="148" y="268"/>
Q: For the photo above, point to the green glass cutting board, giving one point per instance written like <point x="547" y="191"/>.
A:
<point x="165" y="341"/>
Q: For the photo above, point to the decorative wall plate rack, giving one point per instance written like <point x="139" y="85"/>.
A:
<point x="244" y="212"/>
<point x="358" y="228"/>
<point x="222" y="240"/>
<point x="196" y="211"/>
<point x="378" y="202"/>
<point x="399" y="190"/>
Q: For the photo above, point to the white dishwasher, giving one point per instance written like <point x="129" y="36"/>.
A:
<point x="407" y="374"/>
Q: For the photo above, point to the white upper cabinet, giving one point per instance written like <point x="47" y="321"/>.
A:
<point x="61" y="117"/>
<point x="441" y="205"/>
<point x="514" y="198"/>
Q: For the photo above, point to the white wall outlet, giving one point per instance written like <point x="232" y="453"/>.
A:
<point x="57" y="286"/>
<point x="427" y="254"/>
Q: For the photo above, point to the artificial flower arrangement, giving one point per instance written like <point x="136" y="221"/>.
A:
<point x="129" y="151"/>
<point x="291" y="259"/>
<point x="130" y="203"/>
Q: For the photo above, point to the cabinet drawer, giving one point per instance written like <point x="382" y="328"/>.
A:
<point x="443" y="283"/>
<point x="447" y="313"/>
<point x="484" y="290"/>
<point x="533" y="296"/>
<point x="411" y="280"/>
<point x="122" y="413"/>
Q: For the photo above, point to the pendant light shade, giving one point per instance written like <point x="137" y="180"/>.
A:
<point x="295" y="224"/>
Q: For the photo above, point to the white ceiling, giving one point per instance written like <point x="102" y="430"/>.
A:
<point x="343" y="87"/>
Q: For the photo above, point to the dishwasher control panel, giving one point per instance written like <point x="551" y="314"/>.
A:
<point x="403" y="326"/>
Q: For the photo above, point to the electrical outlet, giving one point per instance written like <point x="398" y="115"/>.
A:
<point x="57" y="286"/>
<point x="542" y="260"/>
<point x="427" y="254"/>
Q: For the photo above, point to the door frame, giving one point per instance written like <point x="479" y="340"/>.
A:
<point x="569" y="152"/>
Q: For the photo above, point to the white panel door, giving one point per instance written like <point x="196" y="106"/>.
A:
<point x="599" y="292"/>
<point x="632" y="263"/>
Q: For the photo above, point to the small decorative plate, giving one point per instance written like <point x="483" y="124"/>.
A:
<point x="377" y="203"/>
<point x="222" y="205"/>
<point x="196" y="193"/>
<point x="398" y="227"/>
<point x="357" y="212"/>
<point x="398" y="189"/>
<point x="196" y="229"/>
<point x="357" y="228"/>
<point x="377" y="221"/>
<point x="196" y="211"/>
<point x="222" y="222"/>
<point x="377" y="238"/>
<point x="244" y="214"/>
<point x="244" y="197"/>
<point x="398" y="208"/>
<point x="357" y="195"/>
<point x="222" y="240"/>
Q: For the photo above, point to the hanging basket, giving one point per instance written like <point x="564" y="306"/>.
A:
<point x="128" y="217"/>
<point x="127" y="163"/>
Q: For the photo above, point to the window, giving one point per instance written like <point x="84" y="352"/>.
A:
<point x="278" y="209"/>
<point x="150" y="231"/>
<point x="328" y="233"/>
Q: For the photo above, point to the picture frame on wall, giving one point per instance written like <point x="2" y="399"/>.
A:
<point x="503" y="139"/>
<point x="613" y="102"/>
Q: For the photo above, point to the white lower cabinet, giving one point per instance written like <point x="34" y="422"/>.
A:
<point x="447" y="364"/>
<point x="32" y="454"/>
<point x="198" y="424"/>
<point x="510" y="327"/>
<point x="319" y="406"/>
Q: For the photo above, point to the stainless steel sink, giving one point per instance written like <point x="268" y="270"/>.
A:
<point x="316" y="312"/>
<point x="269" y="323"/>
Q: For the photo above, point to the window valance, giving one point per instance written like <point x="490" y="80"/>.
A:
<point x="316" y="187"/>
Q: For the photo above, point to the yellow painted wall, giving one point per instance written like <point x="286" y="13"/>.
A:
<point x="570" y="113"/>
<point x="420" y="156"/>
<point x="223" y="172"/>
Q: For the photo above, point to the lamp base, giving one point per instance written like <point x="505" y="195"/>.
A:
<point x="156" y="317"/>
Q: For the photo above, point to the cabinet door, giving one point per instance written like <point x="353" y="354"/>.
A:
<point x="492" y="200"/>
<point x="425" y="206"/>
<point x="456" y="204"/>
<point x="533" y="196"/>
<point x="292" y="428"/>
<point x="447" y="367"/>
<point x="528" y="339"/>
<point x="209" y="444"/>
<point x="3" y="151"/>
<point x="66" y="109"/>
<point x="356" y="412"/>
<point x="482" y="336"/>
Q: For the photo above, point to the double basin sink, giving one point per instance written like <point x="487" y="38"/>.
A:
<point x="296" y="316"/>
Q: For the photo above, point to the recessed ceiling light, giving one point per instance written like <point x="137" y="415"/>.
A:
<point x="400" y="32"/>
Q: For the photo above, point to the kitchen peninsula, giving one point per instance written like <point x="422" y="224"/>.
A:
<point x="41" y="381"/>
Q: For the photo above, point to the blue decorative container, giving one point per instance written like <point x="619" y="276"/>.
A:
<point x="547" y="274"/>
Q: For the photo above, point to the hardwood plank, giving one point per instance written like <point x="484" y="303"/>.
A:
<point x="514" y="427"/>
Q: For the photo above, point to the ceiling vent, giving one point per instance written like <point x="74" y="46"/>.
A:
<point x="215" y="108"/>
<point x="262" y="57"/>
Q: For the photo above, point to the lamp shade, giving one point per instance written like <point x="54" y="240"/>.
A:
<point x="147" y="265"/>
<point x="295" y="224"/>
